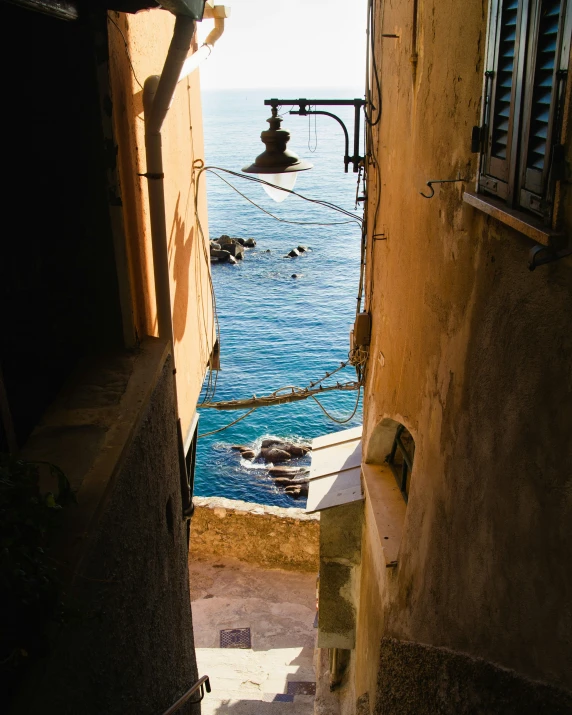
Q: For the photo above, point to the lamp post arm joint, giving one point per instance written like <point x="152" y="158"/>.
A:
<point x="303" y="110"/>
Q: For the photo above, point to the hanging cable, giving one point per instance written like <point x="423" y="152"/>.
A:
<point x="126" y="49"/>
<point x="373" y="70"/>
<point x="318" y="202"/>
<point x="291" y="393"/>
<point x="220" y="429"/>
<point x="200" y="168"/>
<point x="310" y="149"/>
<point x="336" y="419"/>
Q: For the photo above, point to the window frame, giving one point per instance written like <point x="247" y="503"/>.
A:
<point x="402" y="472"/>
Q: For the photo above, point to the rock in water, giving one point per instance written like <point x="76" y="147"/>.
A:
<point x="236" y="250"/>
<point x="239" y="447"/>
<point x="248" y="454"/>
<point x="287" y="482"/>
<point x="270" y="443"/>
<point x="297" y="491"/>
<point x="249" y="243"/>
<point x="233" y="246"/>
<point x="293" y="253"/>
<point x="273" y="454"/>
<point x="287" y="471"/>
<point x="303" y="249"/>
<point x="221" y="256"/>
<point x="296" y="450"/>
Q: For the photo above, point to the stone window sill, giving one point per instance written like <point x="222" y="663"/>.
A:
<point x="385" y="503"/>
<point x="518" y="220"/>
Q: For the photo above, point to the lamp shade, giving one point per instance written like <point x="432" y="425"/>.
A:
<point x="276" y="159"/>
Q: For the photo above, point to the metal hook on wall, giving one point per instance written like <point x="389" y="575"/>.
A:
<point x="440" y="181"/>
<point x="540" y="255"/>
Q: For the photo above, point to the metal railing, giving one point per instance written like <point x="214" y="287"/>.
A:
<point x="202" y="684"/>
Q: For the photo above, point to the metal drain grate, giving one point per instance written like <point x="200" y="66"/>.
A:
<point x="301" y="688"/>
<point x="235" y="638"/>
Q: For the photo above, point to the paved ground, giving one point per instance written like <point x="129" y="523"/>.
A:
<point x="275" y="675"/>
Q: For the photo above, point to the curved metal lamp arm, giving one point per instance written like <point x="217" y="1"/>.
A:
<point x="303" y="110"/>
<point x="339" y="121"/>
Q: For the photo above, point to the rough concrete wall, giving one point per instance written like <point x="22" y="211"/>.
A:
<point x="340" y="556"/>
<point x="375" y="578"/>
<point x="128" y="644"/>
<point x="476" y="364"/>
<point x="416" y="679"/>
<point x="266" y="536"/>
<point x="148" y="36"/>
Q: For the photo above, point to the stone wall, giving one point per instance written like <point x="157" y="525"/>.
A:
<point x="127" y="643"/>
<point x="471" y="352"/>
<point x="266" y="536"/>
<point x="416" y="679"/>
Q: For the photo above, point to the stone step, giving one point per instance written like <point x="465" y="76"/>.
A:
<point x="211" y="706"/>
<point x="249" y="674"/>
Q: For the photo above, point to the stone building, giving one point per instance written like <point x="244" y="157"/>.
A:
<point x="462" y="599"/>
<point x="87" y="359"/>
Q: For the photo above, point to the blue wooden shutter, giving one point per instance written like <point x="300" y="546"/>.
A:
<point x="543" y="94"/>
<point x="503" y="95"/>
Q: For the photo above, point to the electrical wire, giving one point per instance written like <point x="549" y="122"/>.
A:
<point x="370" y="162"/>
<point x="371" y="47"/>
<point x="220" y="429"/>
<point x="326" y="204"/>
<point x="310" y="149"/>
<point x="200" y="168"/>
<point x="210" y="389"/>
<point x="126" y="49"/>
<point x="336" y="419"/>
<point x="295" y="394"/>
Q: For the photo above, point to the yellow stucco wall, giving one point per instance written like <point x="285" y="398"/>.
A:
<point x="148" y="35"/>
<point x="475" y="363"/>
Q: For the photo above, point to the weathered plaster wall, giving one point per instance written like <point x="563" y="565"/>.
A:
<point x="476" y="364"/>
<point x="127" y="643"/>
<point x="266" y="536"/>
<point x="148" y="35"/>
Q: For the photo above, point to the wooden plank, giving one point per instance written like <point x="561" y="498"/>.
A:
<point x="334" y="490"/>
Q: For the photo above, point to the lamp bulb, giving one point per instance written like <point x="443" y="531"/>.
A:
<point x="286" y="181"/>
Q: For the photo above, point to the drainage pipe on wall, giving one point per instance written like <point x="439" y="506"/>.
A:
<point x="158" y="93"/>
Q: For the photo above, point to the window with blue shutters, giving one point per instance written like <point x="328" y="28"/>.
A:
<point x="527" y="62"/>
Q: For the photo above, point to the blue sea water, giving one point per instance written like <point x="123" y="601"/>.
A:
<point x="277" y="330"/>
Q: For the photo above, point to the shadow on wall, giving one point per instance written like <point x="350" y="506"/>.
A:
<point x="381" y="441"/>
<point x="180" y="249"/>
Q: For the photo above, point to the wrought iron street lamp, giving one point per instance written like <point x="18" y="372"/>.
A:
<point x="277" y="164"/>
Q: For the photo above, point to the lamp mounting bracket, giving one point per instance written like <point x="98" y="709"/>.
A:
<point x="304" y="109"/>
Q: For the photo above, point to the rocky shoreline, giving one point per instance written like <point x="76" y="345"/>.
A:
<point x="229" y="250"/>
<point x="293" y="480"/>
